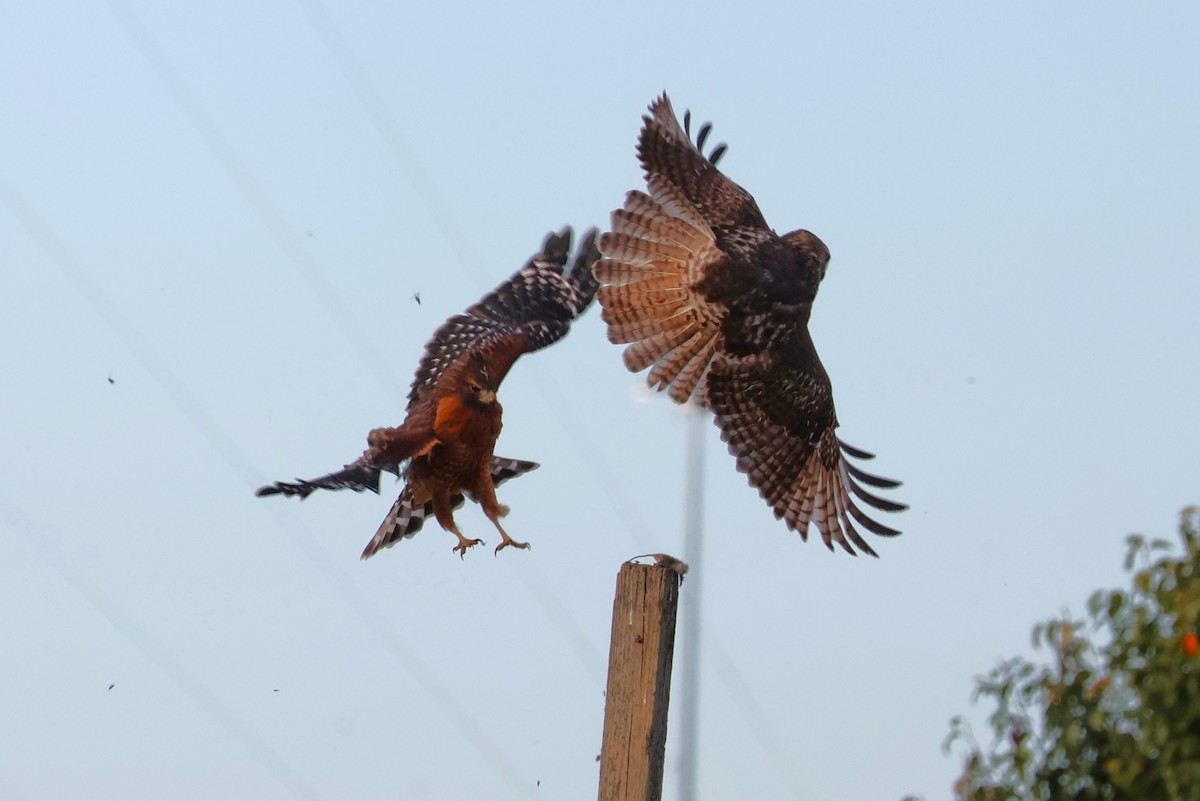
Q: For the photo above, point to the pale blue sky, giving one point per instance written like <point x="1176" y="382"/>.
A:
<point x="226" y="209"/>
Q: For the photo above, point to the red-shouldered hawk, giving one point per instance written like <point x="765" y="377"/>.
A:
<point x="453" y="418"/>
<point x="717" y="304"/>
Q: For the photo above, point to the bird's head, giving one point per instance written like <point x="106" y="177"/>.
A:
<point x="478" y="383"/>
<point x="811" y="250"/>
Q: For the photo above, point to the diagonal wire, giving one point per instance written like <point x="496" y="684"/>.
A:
<point x="402" y="151"/>
<point x="42" y="541"/>
<point x="624" y="507"/>
<point x="393" y="137"/>
<point x="610" y="482"/>
<point x="368" y="611"/>
<point x="379" y="623"/>
<point x="759" y="721"/>
<point x="272" y="220"/>
<point x="308" y="268"/>
<point x="377" y="110"/>
<point x="111" y="316"/>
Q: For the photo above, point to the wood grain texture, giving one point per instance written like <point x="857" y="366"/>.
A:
<point x="639" y="683"/>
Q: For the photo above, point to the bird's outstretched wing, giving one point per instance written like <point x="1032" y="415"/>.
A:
<point x="406" y="518"/>
<point x="360" y="475"/>
<point x="532" y="309"/>
<point x="775" y="411"/>
<point x="668" y="154"/>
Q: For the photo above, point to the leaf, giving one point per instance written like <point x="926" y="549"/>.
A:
<point x="1116" y="600"/>
<point x="1135" y="543"/>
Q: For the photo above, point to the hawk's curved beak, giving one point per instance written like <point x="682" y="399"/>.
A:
<point x="487" y="396"/>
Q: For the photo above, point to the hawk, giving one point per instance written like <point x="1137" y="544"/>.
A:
<point x="717" y="304"/>
<point x="445" y="444"/>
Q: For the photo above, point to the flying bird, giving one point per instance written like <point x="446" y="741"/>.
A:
<point x="444" y="448"/>
<point x="716" y="304"/>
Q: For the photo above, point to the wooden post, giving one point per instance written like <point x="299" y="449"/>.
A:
<point x="639" y="684"/>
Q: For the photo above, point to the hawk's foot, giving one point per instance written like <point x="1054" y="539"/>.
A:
<point x="510" y="541"/>
<point x="464" y="544"/>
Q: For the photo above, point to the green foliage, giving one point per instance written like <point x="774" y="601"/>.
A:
<point x="1115" y="712"/>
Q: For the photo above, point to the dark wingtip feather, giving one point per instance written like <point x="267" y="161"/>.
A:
<point x="556" y="247"/>
<point x="300" y="488"/>
<point x="857" y="539"/>
<point x="874" y="500"/>
<point x="868" y="523"/>
<point x="702" y="138"/>
<point x="867" y="478"/>
<point x="581" y="274"/>
<point x="857" y="453"/>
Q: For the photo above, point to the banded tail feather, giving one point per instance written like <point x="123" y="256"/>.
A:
<point x="405" y="519"/>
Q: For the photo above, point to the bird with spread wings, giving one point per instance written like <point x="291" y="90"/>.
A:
<point x="717" y="305"/>
<point x="444" y="448"/>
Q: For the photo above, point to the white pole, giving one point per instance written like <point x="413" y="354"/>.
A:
<point x="693" y="524"/>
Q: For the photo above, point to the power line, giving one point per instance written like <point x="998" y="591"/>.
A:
<point x="42" y="541"/>
<point x="759" y="722"/>
<point x="403" y="152"/>
<point x="138" y="345"/>
<point x="344" y="317"/>
<point x="380" y="624"/>
<point x="613" y="489"/>
<point x="368" y="612"/>
<point x="609" y="481"/>
<point x="268" y="214"/>
<point x="290" y="243"/>
<point x="389" y="131"/>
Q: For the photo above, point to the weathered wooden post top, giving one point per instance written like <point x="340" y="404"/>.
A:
<point x="639" y="681"/>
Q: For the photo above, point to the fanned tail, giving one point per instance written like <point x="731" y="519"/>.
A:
<point x="406" y="518"/>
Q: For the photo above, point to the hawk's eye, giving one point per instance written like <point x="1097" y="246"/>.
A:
<point x="476" y="388"/>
